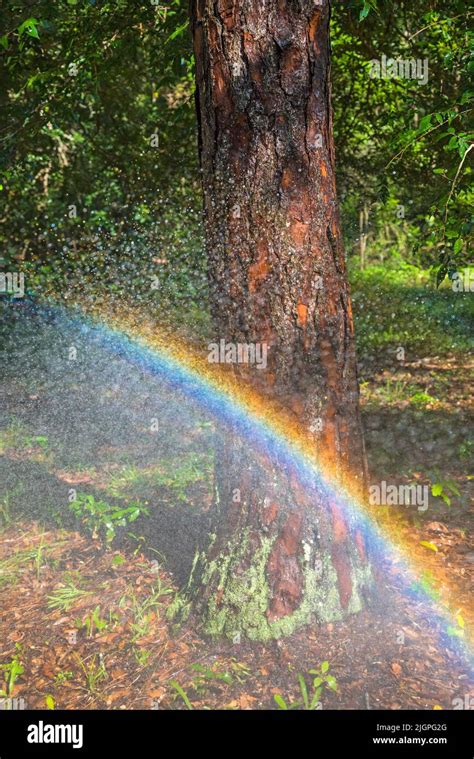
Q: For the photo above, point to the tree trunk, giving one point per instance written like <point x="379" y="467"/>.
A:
<point x="282" y="553"/>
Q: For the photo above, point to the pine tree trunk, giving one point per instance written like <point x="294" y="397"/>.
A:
<point x="281" y="555"/>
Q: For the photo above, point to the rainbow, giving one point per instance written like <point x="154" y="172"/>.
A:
<point x="184" y="369"/>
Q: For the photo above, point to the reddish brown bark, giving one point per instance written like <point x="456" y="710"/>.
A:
<point x="277" y="275"/>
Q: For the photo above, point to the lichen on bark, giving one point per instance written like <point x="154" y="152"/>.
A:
<point x="235" y="595"/>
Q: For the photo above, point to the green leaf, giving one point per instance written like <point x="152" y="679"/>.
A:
<point x="29" y="27"/>
<point x="425" y="123"/>
<point x="436" y="489"/>
<point x="324" y="666"/>
<point x="50" y="702"/>
<point x="179" y="30"/>
<point x="280" y="701"/>
<point x="182" y="693"/>
<point x="315" y="699"/>
<point x="368" y="5"/>
<point x="440" y="274"/>
<point x="304" y="690"/>
<point x="4" y="41"/>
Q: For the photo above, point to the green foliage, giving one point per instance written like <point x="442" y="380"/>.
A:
<point x="170" y="474"/>
<point x="64" y="598"/>
<point x="86" y="194"/>
<point x="143" y="610"/>
<point x="94" y="671"/>
<point x="182" y="693"/>
<point x="400" y="145"/>
<point x="94" y="622"/>
<point x="310" y="697"/>
<point x="102" y="518"/>
<point x="62" y="677"/>
<point x="89" y="199"/>
<point x="11" y="672"/>
<point x="445" y="489"/>
<point x="425" y="322"/>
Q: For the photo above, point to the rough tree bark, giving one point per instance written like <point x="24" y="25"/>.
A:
<point x="280" y="556"/>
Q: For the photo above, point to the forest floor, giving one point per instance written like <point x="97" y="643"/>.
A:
<point x="84" y="624"/>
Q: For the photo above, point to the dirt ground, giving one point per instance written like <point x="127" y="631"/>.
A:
<point x="87" y="624"/>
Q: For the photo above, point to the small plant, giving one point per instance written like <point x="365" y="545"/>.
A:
<point x="141" y="656"/>
<point x="94" y="622"/>
<point x="94" y="671"/>
<point x="11" y="672"/>
<point x="101" y="518"/>
<point x="39" y="557"/>
<point x="420" y="399"/>
<point x="64" y="598"/>
<point x="445" y="489"/>
<point x="62" y="677"/>
<point x="6" y="505"/>
<point x="142" y="610"/>
<point x="310" y="700"/>
<point x="207" y="675"/>
<point x="466" y="450"/>
<point x="182" y="693"/>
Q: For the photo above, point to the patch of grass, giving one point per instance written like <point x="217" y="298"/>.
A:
<point x="310" y="697"/>
<point x="94" y="671"/>
<point x="141" y="609"/>
<point x="11" y="672"/>
<point x="65" y="598"/>
<point x="392" y="392"/>
<point x="141" y="656"/>
<point x="401" y="307"/>
<point x="6" y="504"/>
<point x="102" y="518"/>
<point x="170" y="475"/>
<point x="17" y="437"/>
<point x="13" y="565"/>
<point x="93" y="622"/>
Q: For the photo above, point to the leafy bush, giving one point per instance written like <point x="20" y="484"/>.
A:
<point x="102" y="518"/>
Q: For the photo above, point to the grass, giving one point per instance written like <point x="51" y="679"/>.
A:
<point x="402" y="307"/>
<point x="141" y="611"/>
<point x="17" y="437"/>
<point x="392" y="392"/>
<point x="169" y="474"/>
<point x="11" y="672"/>
<point x="94" y="671"/>
<point x="65" y="598"/>
<point x="11" y="567"/>
<point x="6" y="503"/>
<point x="102" y="518"/>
